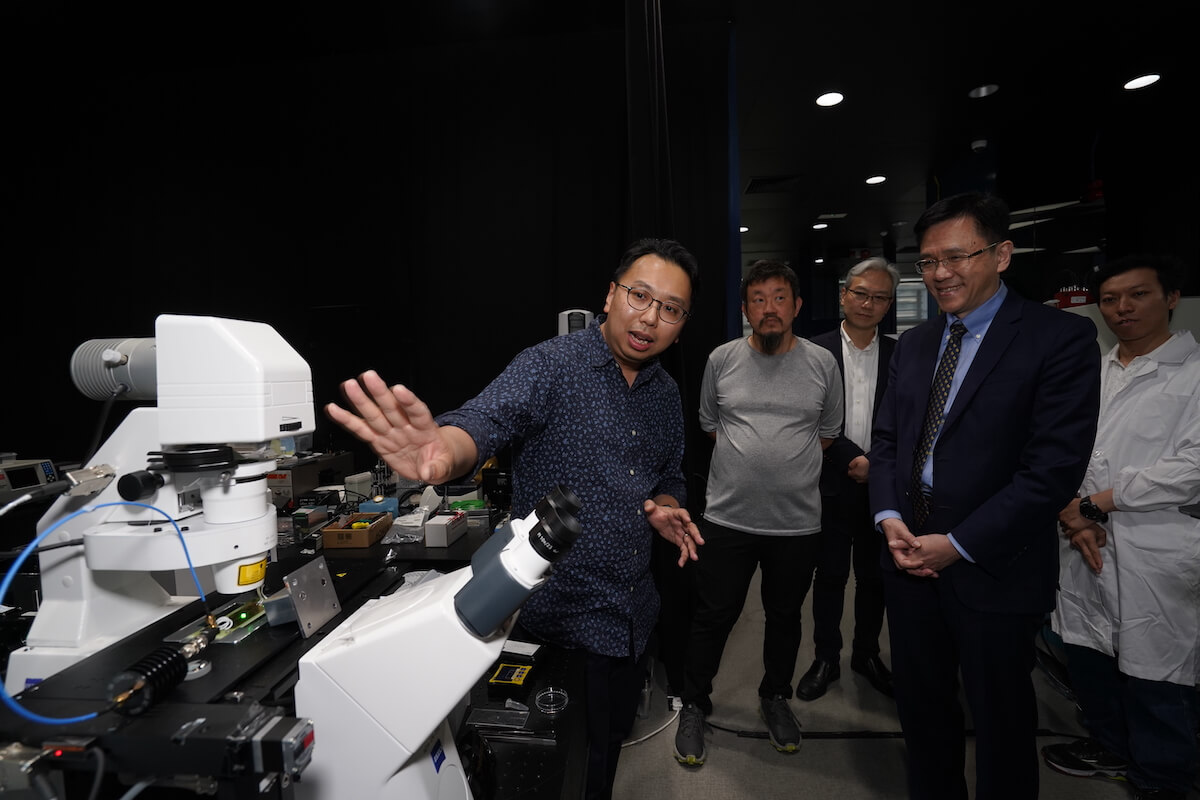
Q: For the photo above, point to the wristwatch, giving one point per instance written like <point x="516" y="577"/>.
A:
<point x="1089" y="510"/>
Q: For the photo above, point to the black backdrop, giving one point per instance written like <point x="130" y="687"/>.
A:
<point x="423" y="201"/>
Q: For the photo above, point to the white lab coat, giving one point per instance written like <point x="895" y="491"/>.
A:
<point x="1144" y="606"/>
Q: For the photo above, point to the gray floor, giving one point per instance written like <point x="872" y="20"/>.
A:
<point x="851" y="748"/>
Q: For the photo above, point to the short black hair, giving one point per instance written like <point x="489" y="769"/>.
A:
<point x="1169" y="268"/>
<point x="666" y="249"/>
<point x="988" y="211"/>
<point x="765" y="269"/>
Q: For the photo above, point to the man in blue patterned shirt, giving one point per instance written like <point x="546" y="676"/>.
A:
<point x="596" y="412"/>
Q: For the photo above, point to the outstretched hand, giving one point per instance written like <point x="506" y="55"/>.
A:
<point x="400" y="429"/>
<point x="676" y="526"/>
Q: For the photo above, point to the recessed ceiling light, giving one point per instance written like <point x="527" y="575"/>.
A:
<point x="876" y="179"/>
<point x="832" y="215"/>
<point x="983" y="91"/>
<point x="743" y="229"/>
<point x="830" y="99"/>
<point x="820" y="226"/>
<point x="1143" y="81"/>
<point x="818" y="261"/>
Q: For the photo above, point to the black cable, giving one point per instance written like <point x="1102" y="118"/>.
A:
<point x="43" y="787"/>
<point x="104" y="411"/>
<point x="98" y="754"/>
<point x="42" y="549"/>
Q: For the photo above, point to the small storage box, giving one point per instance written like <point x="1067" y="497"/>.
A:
<point x="357" y="530"/>
<point x="443" y="530"/>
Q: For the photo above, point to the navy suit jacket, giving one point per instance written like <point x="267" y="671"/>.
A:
<point x="1011" y="454"/>
<point x="842" y="451"/>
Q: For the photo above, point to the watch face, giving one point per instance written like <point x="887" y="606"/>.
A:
<point x="1090" y="510"/>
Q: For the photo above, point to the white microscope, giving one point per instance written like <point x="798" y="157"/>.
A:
<point x="379" y="688"/>
<point x="230" y="395"/>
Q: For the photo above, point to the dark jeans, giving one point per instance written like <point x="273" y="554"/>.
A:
<point x="721" y="581"/>
<point x="848" y="535"/>
<point x="1151" y="724"/>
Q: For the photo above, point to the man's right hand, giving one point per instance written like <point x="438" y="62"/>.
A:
<point x="1088" y="542"/>
<point x="905" y="548"/>
<point x="401" y="430"/>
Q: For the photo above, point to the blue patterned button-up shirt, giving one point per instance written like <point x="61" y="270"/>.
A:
<point x="573" y="420"/>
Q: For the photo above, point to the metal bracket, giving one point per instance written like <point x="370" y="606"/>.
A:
<point x="307" y="598"/>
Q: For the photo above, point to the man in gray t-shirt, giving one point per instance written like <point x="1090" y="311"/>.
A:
<point x="771" y="403"/>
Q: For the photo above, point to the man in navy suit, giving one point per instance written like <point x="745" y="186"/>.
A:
<point x="848" y="533"/>
<point x="967" y="493"/>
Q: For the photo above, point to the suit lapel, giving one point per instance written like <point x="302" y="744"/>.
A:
<point x="928" y="340"/>
<point x="1000" y="335"/>
<point x="886" y="345"/>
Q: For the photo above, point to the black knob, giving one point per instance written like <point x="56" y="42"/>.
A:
<point x="138" y="485"/>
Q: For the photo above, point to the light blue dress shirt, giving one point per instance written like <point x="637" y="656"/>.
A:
<point x="978" y="321"/>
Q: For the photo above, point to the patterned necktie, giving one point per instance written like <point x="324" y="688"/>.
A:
<point x="935" y="415"/>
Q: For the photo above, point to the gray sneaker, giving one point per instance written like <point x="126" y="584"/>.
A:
<point x="689" y="737"/>
<point x="782" y="727"/>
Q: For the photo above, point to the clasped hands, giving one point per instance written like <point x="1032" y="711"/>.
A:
<point x="922" y="556"/>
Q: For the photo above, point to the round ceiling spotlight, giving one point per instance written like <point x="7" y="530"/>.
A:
<point x="743" y="229"/>
<point x="830" y="99"/>
<point x="875" y="180"/>
<point x="985" y="90"/>
<point x="820" y="226"/>
<point x="1143" y="81"/>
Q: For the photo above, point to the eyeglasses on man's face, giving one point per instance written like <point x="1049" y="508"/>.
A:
<point x="950" y="262"/>
<point x="859" y="296"/>
<point x="640" y="300"/>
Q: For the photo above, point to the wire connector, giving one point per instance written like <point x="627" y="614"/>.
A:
<point x="90" y="480"/>
<point x="16" y="765"/>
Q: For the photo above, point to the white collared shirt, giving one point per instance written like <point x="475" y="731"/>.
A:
<point x="859" y="375"/>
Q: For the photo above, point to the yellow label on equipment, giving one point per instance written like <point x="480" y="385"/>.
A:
<point x="510" y="673"/>
<point x="252" y="573"/>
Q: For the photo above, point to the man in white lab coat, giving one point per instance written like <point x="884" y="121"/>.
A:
<point x="1128" y="609"/>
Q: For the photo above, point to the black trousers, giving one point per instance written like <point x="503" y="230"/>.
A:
<point x="614" y="689"/>
<point x="935" y="638"/>
<point x="722" y="578"/>
<point x="613" y="685"/>
<point x="848" y="536"/>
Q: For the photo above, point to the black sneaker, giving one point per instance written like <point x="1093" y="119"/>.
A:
<point x="1084" y="758"/>
<point x="689" y="737"/>
<point x="782" y="727"/>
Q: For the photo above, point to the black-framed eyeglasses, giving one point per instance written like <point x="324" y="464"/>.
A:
<point x="640" y="300"/>
<point x="859" y="296"/>
<point x="950" y="262"/>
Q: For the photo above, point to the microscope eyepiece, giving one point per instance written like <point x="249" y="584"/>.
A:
<point x="556" y="529"/>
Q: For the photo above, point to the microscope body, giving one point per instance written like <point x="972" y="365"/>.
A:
<point x="380" y="687"/>
<point x="229" y="393"/>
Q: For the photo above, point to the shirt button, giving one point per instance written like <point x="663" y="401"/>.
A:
<point x="630" y="472"/>
<point x="633" y="433"/>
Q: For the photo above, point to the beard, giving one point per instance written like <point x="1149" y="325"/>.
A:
<point x="770" y="341"/>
